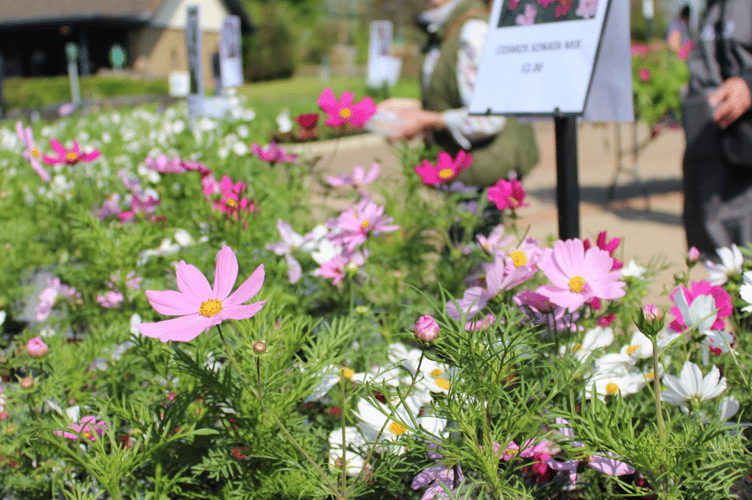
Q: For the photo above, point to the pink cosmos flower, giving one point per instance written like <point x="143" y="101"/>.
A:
<point x="69" y="157"/>
<point x="545" y="3"/>
<point x="604" y="463"/>
<point x="541" y="311"/>
<point x="507" y="194"/>
<point x="693" y="255"/>
<point x="336" y="267"/>
<point x="722" y="303"/>
<point x="644" y="74"/>
<point x="200" y="306"/>
<point x="164" y="165"/>
<point x="36" y="347"/>
<point x="88" y="428"/>
<point x="578" y="276"/>
<point x="110" y="206"/>
<point x="438" y="475"/>
<point x="66" y="109"/>
<point x="361" y="221"/>
<point x="610" y="246"/>
<point x="139" y="205"/>
<point x="357" y="179"/>
<point x="528" y="18"/>
<point x="231" y="202"/>
<point x="446" y="168"/>
<point x="111" y="299"/>
<point x="638" y="49"/>
<point x="587" y="8"/>
<point x="272" y="153"/>
<point x="31" y="153"/>
<point x="291" y="241"/>
<point x="345" y="111"/>
<point x="563" y="8"/>
<point x="495" y="240"/>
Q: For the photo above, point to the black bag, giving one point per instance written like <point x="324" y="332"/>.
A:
<point x="736" y="142"/>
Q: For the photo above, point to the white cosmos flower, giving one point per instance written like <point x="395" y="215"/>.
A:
<point x="640" y="347"/>
<point x="633" y="269"/>
<point x="595" y="338"/>
<point x="717" y="340"/>
<point x="373" y="419"/>
<point x="746" y="290"/>
<point x="690" y="386"/>
<point x="701" y="314"/>
<point x="731" y="263"/>
<point x="353" y="439"/>
<point x="618" y="382"/>
<point x="2" y="317"/>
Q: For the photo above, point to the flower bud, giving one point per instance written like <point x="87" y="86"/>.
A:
<point x="426" y="329"/>
<point x="27" y="382"/>
<point x="36" y="347"/>
<point x="693" y="255"/>
<point x="652" y="313"/>
<point x="259" y="347"/>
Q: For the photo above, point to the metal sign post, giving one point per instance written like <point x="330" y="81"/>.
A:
<point x="567" y="185"/>
<point x="71" y="51"/>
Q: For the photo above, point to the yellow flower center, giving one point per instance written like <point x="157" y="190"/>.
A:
<point x="512" y="452"/>
<point x="230" y="202"/>
<point x="612" y="388"/>
<point x="576" y="284"/>
<point x="436" y="373"/>
<point x="518" y="258"/>
<point x="365" y="224"/>
<point x="71" y="156"/>
<point x="651" y="375"/>
<point x="576" y="347"/>
<point x="513" y="201"/>
<point x="446" y="173"/>
<point x="397" y="428"/>
<point x="442" y="383"/>
<point x="631" y="349"/>
<point x="345" y="113"/>
<point x="346" y="372"/>
<point x="87" y="434"/>
<point x="35" y="153"/>
<point x="210" y="307"/>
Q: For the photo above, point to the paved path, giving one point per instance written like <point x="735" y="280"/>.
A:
<point x="649" y="225"/>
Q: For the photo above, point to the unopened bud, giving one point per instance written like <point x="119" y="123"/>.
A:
<point x="652" y="313"/>
<point x="426" y="329"/>
<point x="259" y="347"/>
<point x="27" y="382"/>
<point x="693" y="255"/>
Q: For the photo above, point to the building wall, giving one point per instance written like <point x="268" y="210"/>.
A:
<point x="171" y="14"/>
<point x="159" y="51"/>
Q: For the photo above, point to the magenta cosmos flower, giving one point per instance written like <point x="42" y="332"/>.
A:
<point x="69" y="156"/>
<point x="344" y="111"/>
<point x="31" y="153"/>
<point x="200" y="306"/>
<point x="446" y="168"/>
<point x="36" y="347"/>
<point x="720" y="296"/>
<point x="272" y="153"/>
<point x="579" y="276"/>
<point x="88" y="428"/>
<point x="507" y="194"/>
<point x="610" y="246"/>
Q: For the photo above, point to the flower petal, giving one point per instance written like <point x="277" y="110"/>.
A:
<point x="241" y="312"/>
<point x="192" y="282"/>
<point x="226" y="273"/>
<point x="182" y="329"/>
<point x="248" y="289"/>
<point x="172" y="303"/>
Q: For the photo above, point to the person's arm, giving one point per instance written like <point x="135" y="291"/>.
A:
<point x="674" y="41"/>
<point x="464" y="128"/>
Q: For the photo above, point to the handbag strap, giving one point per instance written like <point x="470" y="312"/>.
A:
<point x="721" y="53"/>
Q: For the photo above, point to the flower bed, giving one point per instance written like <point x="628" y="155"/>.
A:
<point x="210" y="333"/>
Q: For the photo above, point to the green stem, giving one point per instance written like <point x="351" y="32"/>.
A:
<point x="657" y="394"/>
<point x="344" y="433"/>
<point x="258" y="376"/>
<point x="275" y="418"/>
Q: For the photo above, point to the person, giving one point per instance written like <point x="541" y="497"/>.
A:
<point x="677" y="33"/>
<point x="456" y="32"/>
<point x="717" y="193"/>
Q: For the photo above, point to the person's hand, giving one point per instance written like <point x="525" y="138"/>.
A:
<point x="399" y="105"/>
<point x="415" y="122"/>
<point x="730" y="101"/>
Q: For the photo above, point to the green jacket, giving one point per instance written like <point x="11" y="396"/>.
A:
<point x="512" y="149"/>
